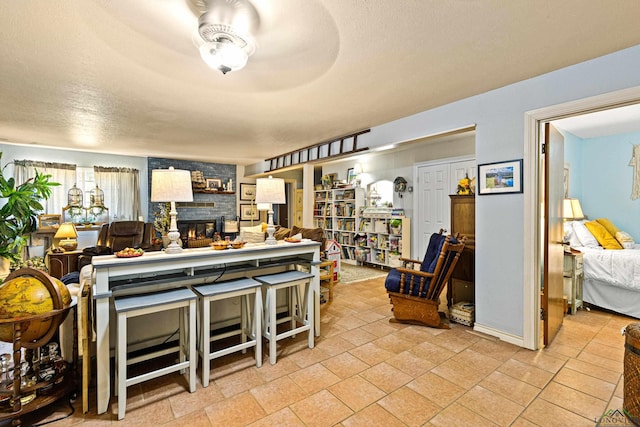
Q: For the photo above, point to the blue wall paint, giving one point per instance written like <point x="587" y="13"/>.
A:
<point x="606" y="181"/>
<point x="573" y="158"/>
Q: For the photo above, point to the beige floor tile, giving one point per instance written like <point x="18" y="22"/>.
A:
<point x="432" y="352"/>
<point x="277" y="394"/>
<point x="513" y="389"/>
<point x="410" y="407"/>
<point x="480" y="362"/>
<point x="587" y="384"/>
<point x="334" y="345"/>
<point x="541" y="359"/>
<point x="284" y="366"/>
<point x="381" y="328"/>
<point x="238" y="381"/>
<point x="185" y="403"/>
<point x="496" y="349"/>
<point x="345" y="365"/>
<point x="321" y="409"/>
<point x="573" y="400"/>
<point x="239" y="410"/>
<point x="463" y="374"/>
<point x="356" y="392"/>
<point x="457" y="415"/>
<point x="482" y="401"/>
<point x="457" y="340"/>
<point x="193" y="419"/>
<point x="593" y="370"/>
<point x="307" y="357"/>
<point x="373" y="416"/>
<point x="371" y="354"/>
<point x="358" y="336"/>
<point x="614" y="353"/>
<point x="314" y="378"/>
<point x="386" y="377"/>
<point x="527" y="373"/>
<point x="393" y="343"/>
<point x="436" y="389"/>
<point x="411" y="364"/>
<point x="603" y="362"/>
<point x="283" y="417"/>
<point x="546" y="414"/>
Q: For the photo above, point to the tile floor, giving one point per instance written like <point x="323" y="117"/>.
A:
<point x="365" y="371"/>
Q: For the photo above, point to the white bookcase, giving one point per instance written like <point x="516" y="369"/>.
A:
<point x="337" y="212"/>
<point x="383" y="239"/>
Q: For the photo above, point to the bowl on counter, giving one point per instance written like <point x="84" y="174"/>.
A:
<point x="220" y="245"/>
<point x="237" y="245"/>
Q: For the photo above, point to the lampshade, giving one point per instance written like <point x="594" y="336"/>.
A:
<point x="263" y="206"/>
<point x="270" y="190"/>
<point x="571" y="209"/>
<point x="67" y="234"/>
<point x="171" y="185"/>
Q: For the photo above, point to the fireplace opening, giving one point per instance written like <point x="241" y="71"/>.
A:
<point x="197" y="232"/>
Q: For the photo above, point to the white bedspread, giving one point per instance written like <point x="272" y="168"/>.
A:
<point x="619" y="268"/>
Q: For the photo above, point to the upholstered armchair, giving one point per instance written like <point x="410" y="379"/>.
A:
<point x="118" y="235"/>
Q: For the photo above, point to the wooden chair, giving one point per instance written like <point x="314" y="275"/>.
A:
<point x="415" y="294"/>
<point x="326" y="276"/>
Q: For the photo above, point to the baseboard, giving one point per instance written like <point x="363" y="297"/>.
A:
<point x="512" y="339"/>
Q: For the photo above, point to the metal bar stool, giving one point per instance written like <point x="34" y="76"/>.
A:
<point x="301" y="309"/>
<point x="250" y="325"/>
<point x="140" y="305"/>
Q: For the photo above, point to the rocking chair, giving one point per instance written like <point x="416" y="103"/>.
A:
<point x="415" y="294"/>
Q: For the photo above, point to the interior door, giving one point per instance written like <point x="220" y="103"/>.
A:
<point x="552" y="292"/>
<point x="433" y="204"/>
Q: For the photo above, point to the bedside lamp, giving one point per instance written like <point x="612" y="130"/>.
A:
<point x="171" y="185"/>
<point x="571" y="209"/>
<point x="67" y="234"/>
<point x="270" y="190"/>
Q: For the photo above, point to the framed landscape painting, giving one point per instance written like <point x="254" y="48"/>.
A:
<point x="500" y="178"/>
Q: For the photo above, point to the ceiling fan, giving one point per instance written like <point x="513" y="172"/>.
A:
<point x="226" y="30"/>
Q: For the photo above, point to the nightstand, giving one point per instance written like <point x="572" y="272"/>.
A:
<point x="63" y="263"/>
<point x="573" y="276"/>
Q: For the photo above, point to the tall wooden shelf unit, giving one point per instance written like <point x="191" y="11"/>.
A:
<point x="463" y="221"/>
<point x="382" y="242"/>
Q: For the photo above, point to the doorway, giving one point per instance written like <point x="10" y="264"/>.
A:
<point x="533" y="212"/>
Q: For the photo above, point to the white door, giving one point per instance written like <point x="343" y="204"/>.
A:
<point x="434" y="185"/>
<point x="433" y="204"/>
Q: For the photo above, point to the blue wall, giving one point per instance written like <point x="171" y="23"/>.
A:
<point x="602" y="178"/>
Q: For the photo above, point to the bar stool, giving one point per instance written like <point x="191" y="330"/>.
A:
<point x="301" y="312"/>
<point x="250" y="325"/>
<point x="140" y="305"/>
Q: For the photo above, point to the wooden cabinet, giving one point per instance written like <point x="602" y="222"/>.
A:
<point x="463" y="221"/>
<point x="63" y="263"/>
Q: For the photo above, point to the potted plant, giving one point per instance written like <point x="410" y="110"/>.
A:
<point x="19" y="213"/>
<point x="396" y="225"/>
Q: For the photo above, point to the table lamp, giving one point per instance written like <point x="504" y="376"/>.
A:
<point x="270" y="190"/>
<point x="571" y="209"/>
<point x="67" y="234"/>
<point x="171" y="185"/>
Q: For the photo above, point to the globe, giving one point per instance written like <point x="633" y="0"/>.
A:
<point x="29" y="292"/>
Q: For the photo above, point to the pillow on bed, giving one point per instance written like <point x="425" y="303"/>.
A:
<point x="608" y="225"/>
<point x="602" y="235"/>
<point x="625" y="239"/>
<point x="570" y="235"/>
<point x="584" y="236"/>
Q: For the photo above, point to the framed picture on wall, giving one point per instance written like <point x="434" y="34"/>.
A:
<point x="214" y="184"/>
<point x="248" y="212"/>
<point x="247" y="191"/>
<point x="49" y="221"/>
<point x="500" y="178"/>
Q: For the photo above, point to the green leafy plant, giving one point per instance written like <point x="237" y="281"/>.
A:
<point x="19" y="214"/>
<point x="395" y="222"/>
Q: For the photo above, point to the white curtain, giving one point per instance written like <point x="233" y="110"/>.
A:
<point x="62" y="173"/>
<point x="121" y="188"/>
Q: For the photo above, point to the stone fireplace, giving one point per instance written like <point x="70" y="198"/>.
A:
<point x="197" y="232"/>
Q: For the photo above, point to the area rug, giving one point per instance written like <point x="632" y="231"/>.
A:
<point x="352" y="273"/>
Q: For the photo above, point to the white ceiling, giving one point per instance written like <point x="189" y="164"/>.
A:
<point x="124" y="76"/>
<point x="603" y="123"/>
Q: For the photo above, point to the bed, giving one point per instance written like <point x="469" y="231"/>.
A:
<point x="611" y="276"/>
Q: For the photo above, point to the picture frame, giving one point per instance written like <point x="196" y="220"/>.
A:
<point x="500" y="177"/>
<point x="565" y="180"/>
<point x="214" y="184"/>
<point x="249" y="213"/>
<point x="49" y="221"/>
<point x="351" y="175"/>
<point x="247" y="191"/>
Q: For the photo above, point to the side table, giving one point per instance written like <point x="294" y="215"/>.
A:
<point x="573" y="276"/>
<point x="63" y="263"/>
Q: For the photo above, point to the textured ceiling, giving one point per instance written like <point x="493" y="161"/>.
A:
<point x="124" y="76"/>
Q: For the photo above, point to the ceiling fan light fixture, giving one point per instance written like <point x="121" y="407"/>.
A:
<point x="224" y="55"/>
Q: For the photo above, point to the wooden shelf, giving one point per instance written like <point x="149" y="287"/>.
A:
<point x="202" y="190"/>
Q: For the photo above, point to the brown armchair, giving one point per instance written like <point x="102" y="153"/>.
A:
<point x="117" y="236"/>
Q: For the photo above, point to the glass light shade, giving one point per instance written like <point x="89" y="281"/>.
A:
<point x="571" y="209"/>
<point x="67" y="234"/>
<point x="224" y="55"/>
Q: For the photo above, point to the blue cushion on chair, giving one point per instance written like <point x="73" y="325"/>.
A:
<point x="433" y="252"/>
<point x="392" y="283"/>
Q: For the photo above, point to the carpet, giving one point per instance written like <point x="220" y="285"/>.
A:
<point x="352" y="273"/>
